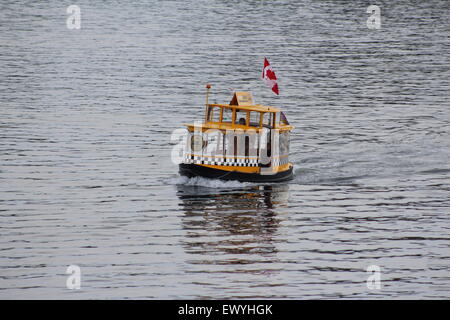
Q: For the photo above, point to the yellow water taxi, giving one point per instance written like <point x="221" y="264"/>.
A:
<point x="240" y="141"/>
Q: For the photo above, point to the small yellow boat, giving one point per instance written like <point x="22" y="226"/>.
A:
<point x="239" y="141"/>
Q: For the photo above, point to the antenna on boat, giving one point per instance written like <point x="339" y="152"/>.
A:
<point x="208" y="86"/>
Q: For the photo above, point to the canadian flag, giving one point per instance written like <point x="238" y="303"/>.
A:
<point x="269" y="77"/>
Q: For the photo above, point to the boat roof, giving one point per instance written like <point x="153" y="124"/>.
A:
<point x="244" y="101"/>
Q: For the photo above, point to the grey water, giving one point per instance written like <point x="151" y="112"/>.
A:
<point x="86" y="177"/>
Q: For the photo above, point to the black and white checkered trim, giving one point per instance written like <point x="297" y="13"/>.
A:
<point x="277" y="161"/>
<point x="284" y="160"/>
<point x="218" y="161"/>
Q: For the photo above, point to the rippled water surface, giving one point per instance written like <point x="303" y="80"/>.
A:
<point x="86" y="177"/>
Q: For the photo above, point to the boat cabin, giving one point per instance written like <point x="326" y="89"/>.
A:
<point x="241" y="136"/>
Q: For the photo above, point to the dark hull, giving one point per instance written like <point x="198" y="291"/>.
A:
<point x="193" y="170"/>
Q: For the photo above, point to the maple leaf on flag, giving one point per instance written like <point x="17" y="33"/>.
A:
<point x="269" y="77"/>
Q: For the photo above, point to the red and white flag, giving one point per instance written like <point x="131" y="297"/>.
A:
<point x="269" y="77"/>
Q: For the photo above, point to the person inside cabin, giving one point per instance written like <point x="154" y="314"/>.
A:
<point x="242" y="121"/>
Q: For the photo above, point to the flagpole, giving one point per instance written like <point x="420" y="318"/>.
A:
<point x="208" y="86"/>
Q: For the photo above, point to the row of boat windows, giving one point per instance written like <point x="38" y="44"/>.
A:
<point x="243" y="117"/>
<point x="248" y="144"/>
<point x="247" y="147"/>
<point x="283" y="145"/>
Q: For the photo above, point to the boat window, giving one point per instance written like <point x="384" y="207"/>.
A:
<point x="267" y="120"/>
<point x="241" y="117"/>
<point x="254" y="119"/>
<point x="227" y="115"/>
<point x="283" y="119"/>
<point x="210" y="112"/>
<point x="247" y="145"/>
<point x="213" y="114"/>
<point x="224" y="144"/>
<point x="284" y="143"/>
